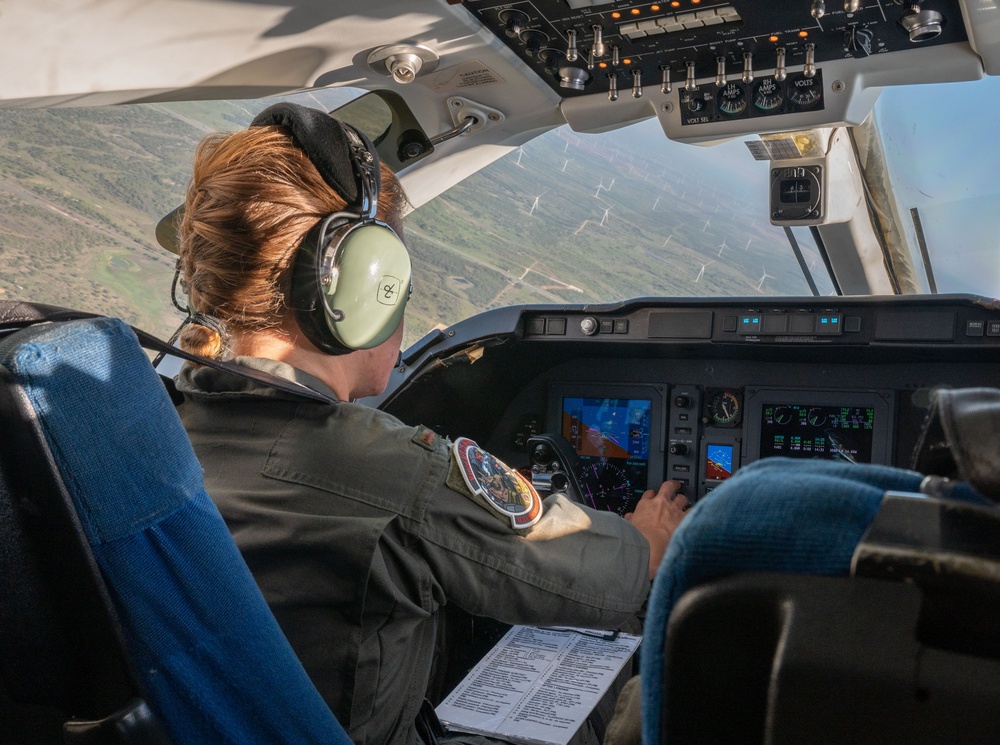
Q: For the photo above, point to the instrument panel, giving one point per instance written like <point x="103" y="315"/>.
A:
<point x="757" y="60"/>
<point x="630" y="438"/>
<point x="693" y="390"/>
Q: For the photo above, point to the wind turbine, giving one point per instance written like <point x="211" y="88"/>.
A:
<point x="708" y="224"/>
<point x="520" y="152"/>
<point x="701" y="272"/>
<point x="605" y="218"/>
<point x="599" y="187"/>
<point x="656" y="203"/>
<point x="748" y="244"/>
<point x="668" y="240"/>
<point x="760" y="284"/>
<point x="535" y="205"/>
<point x="723" y="247"/>
<point x="565" y="164"/>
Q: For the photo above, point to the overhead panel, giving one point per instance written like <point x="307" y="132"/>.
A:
<point x="727" y="60"/>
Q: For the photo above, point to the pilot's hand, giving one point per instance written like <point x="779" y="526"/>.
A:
<point x="657" y="516"/>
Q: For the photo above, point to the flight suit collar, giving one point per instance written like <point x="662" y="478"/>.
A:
<point x="207" y="381"/>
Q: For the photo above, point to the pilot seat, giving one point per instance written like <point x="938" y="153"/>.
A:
<point x="127" y="614"/>
<point x="802" y="602"/>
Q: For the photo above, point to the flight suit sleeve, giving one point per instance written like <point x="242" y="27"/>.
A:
<point x="572" y="566"/>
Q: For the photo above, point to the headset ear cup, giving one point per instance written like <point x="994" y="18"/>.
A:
<point x="371" y="282"/>
<point x="307" y="291"/>
<point x="350" y="285"/>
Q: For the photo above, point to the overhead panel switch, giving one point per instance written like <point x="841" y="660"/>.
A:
<point x="679" y="22"/>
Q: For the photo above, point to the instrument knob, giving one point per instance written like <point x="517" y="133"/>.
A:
<point x="748" y="67"/>
<point x="533" y="42"/>
<point x="571" y="51"/>
<point x="513" y="21"/>
<point x="665" y="86"/>
<point x="598" y="47"/>
<point x="612" y="96"/>
<point x="922" y="25"/>
<point x="689" y="83"/>
<point x="720" y="71"/>
<point x="809" y="70"/>
<point x="541" y="454"/>
<point x="858" y="40"/>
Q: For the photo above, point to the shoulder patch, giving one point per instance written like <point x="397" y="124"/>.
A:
<point x="424" y="437"/>
<point x="496" y="485"/>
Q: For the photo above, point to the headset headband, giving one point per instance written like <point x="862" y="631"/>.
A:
<point x="344" y="157"/>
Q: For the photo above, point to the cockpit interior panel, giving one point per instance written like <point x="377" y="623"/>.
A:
<point x="693" y="390"/>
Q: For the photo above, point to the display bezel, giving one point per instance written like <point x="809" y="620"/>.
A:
<point x="656" y="396"/>
<point x="881" y="401"/>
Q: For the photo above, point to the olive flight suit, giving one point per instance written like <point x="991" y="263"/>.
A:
<point x="358" y="529"/>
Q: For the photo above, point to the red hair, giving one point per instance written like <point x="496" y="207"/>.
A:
<point x="253" y="197"/>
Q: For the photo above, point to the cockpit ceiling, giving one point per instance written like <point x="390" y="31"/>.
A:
<point x="708" y="69"/>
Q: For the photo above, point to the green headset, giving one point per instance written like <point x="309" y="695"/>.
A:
<point x="351" y="275"/>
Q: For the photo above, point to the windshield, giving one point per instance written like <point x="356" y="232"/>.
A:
<point x="942" y="193"/>
<point x="577" y="218"/>
<point x="567" y="218"/>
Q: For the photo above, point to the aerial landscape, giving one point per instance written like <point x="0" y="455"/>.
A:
<point x="567" y="218"/>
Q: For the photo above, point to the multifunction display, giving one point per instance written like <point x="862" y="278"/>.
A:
<point x="827" y="432"/>
<point x="853" y="426"/>
<point x="718" y="462"/>
<point x="611" y="436"/>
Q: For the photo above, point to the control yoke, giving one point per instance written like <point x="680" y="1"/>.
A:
<point x="554" y="466"/>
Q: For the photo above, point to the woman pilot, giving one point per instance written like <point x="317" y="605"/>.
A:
<point x="357" y="527"/>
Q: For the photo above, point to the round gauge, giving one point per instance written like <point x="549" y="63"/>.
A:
<point x="732" y="100"/>
<point x="767" y="94"/>
<point x="724" y="409"/>
<point x="804" y="93"/>
<point x="816" y="417"/>
<point x="606" y="486"/>
<point x="783" y="415"/>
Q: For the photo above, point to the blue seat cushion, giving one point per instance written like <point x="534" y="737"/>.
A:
<point x="207" y="649"/>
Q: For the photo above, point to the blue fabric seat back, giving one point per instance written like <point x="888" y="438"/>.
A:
<point x="775" y="515"/>
<point x="214" y="663"/>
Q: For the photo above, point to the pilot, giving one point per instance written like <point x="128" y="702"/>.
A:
<point x="357" y="527"/>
